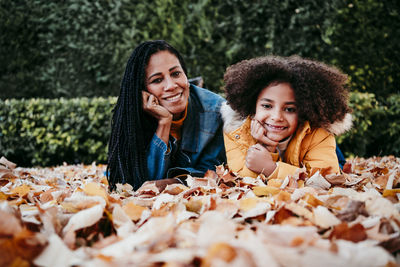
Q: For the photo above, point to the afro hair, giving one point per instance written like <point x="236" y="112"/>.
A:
<point x="320" y="90"/>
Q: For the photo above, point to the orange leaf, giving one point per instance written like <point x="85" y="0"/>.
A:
<point x="94" y="189"/>
<point x="355" y="234"/>
<point x="283" y="196"/>
<point x="220" y="251"/>
<point x="21" y="190"/>
<point x="313" y="201"/>
<point x="390" y="192"/>
<point x="265" y="190"/>
<point x="134" y="211"/>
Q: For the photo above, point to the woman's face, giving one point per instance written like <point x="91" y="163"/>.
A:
<point x="167" y="81"/>
<point x="276" y="111"/>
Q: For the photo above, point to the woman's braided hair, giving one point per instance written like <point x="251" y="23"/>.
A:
<point x="320" y="90"/>
<point x="131" y="128"/>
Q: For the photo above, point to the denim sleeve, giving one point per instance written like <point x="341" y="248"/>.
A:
<point x="158" y="158"/>
<point x="212" y="155"/>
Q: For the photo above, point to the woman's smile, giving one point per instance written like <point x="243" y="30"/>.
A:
<point x="173" y="98"/>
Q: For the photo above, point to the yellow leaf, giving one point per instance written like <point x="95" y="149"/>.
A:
<point x="3" y="196"/>
<point x="21" y="190"/>
<point x="390" y="192"/>
<point x="94" y="189"/>
<point x="275" y="182"/>
<point x="265" y="190"/>
<point x="283" y="196"/>
<point x="133" y="211"/>
<point x="247" y="204"/>
<point x="313" y="201"/>
<point x="194" y="205"/>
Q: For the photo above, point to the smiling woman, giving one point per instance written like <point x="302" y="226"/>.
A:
<point x="162" y="126"/>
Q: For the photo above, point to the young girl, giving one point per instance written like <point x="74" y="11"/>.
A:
<point x="162" y="125"/>
<point x="283" y="114"/>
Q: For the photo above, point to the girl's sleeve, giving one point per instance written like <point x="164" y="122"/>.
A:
<point x="236" y="157"/>
<point x="158" y="158"/>
<point x="319" y="152"/>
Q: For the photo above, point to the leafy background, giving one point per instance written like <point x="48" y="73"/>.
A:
<point x="74" y="52"/>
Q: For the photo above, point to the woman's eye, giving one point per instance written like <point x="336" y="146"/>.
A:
<point x="176" y="74"/>
<point x="157" y="80"/>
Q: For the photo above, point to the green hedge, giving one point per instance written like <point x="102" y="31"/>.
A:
<point x="376" y="126"/>
<point x="49" y="132"/>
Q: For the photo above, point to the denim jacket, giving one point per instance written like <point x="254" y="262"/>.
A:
<point x="201" y="146"/>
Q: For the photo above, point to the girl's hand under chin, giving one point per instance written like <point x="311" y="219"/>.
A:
<point x="261" y="135"/>
<point x="259" y="160"/>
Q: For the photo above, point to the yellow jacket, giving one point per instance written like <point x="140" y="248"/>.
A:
<point x="313" y="148"/>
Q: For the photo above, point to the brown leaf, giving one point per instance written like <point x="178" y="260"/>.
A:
<point x="175" y="189"/>
<point x="281" y="215"/>
<point x="355" y="233"/>
<point x="382" y="180"/>
<point x="347" y="167"/>
<point x="336" y="179"/>
<point x="10" y="225"/>
<point x="148" y="189"/>
<point x="351" y="212"/>
<point x="7" y="163"/>
<point x="392" y="245"/>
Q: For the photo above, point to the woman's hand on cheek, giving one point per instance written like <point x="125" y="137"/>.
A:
<point x="259" y="160"/>
<point x="153" y="107"/>
<point x="259" y="133"/>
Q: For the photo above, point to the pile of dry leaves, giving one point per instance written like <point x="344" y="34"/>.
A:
<point x="66" y="216"/>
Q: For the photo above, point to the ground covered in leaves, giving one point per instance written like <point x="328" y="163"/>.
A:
<point x="65" y="216"/>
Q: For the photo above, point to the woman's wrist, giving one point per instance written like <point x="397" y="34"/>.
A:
<point x="165" y="121"/>
<point x="164" y="128"/>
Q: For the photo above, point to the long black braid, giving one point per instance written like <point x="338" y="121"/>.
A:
<point x="131" y="128"/>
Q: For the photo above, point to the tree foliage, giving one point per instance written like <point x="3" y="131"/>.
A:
<point x="80" y="47"/>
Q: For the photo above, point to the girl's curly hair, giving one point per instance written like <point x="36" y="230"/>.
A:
<point x="321" y="91"/>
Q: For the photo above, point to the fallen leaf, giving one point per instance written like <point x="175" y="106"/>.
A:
<point x="355" y="233"/>
<point x="133" y="211"/>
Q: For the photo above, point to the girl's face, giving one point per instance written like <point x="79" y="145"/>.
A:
<point x="166" y="80"/>
<point x="276" y="111"/>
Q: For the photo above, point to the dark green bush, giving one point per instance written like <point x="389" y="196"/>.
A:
<point x="376" y="126"/>
<point x="49" y="132"/>
<point x="79" y="48"/>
